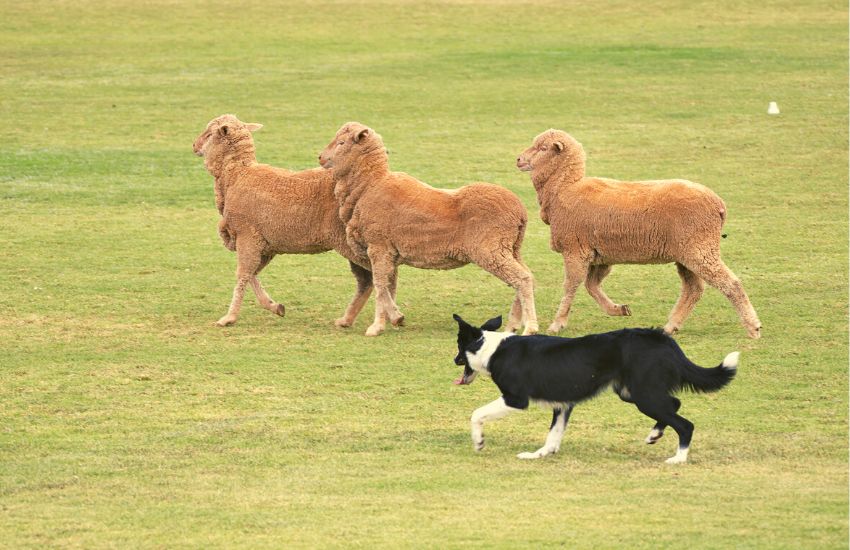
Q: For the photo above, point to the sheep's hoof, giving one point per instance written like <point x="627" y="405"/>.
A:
<point x="279" y="310"/>
<point x="530" y="329"/>
<point x="226" y="321"/>
<point x="555" y="328"/>
<point x="342" y="322"/>
<point x="625" y="310"/>
<point x="754" y="333"/>
<point x="398" y="322"/>
<point x="374" y="331"/>
<point x="670" y="330"/>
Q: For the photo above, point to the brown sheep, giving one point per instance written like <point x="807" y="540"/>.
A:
<point x="599" y="222"/>
<point x="267" y="211"/>
<point x="392" y="218"/>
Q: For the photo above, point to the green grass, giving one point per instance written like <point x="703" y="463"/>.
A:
<point x="127" y="419"/>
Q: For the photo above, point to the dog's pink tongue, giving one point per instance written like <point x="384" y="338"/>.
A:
<point x="459" y="382"/>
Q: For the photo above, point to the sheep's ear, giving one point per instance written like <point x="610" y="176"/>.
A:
<point x="253" y="126"/>
<point x="360" y="134"/>
<point x="559" y="146"/>
<point x="223" y="129"/>
<point x="492" y="324"/>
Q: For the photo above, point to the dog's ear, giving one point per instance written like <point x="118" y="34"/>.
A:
<point x="460" y="322"/>
<point x="465" y="329"/>
<point x="492" y="324"/>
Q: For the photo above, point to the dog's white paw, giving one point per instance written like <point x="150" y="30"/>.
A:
<point x="654" y="436"/>
<point x="680" y="457"/>
<point x="529" y="456"/>
<point x="539" y="453"/>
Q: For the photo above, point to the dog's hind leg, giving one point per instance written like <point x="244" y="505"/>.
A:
<point x="661" y="410"/>
<point x="560" y="417"/>
<point x="489" y="412"/>
<point x="657" y="431"/>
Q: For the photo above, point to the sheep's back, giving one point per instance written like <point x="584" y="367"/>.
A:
<point x="294" y="212"/>
<point x="637" y="222"/>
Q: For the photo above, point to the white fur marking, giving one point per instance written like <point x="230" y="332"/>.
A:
<point x="489" y="412"/>
<point x="478" y="361"/>
<point x="551" y="404"/>
<point x="654" y="435"/>
<point x="680" y="457"/>
<point x="553" y="440"/>
<point x="731" y="360"/>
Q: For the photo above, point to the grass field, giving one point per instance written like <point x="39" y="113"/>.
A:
<point x="128" y="420"/>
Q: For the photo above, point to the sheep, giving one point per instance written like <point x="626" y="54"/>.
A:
<point x="267" y="211"/>
<point x="598" y="222"/>
<point x="392" y="218"/>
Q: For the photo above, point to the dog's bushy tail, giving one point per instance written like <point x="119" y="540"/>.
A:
<point x="699" y="379"/>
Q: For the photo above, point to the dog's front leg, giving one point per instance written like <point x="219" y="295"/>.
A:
<point x="560" y="417"/>
<point x="489" y="412"/>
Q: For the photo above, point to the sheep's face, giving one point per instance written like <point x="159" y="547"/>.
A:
<point x="351" y="141"/>
<point x="547" y="147"/>
<point x="221" y="132"/>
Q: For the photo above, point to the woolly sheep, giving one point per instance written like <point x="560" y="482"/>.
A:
<point x="599" y="222"/>
<point x="392" y="218"/>
<point x="267" y="211"/>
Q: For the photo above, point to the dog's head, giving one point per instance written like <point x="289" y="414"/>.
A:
<point x="469" y="340"/>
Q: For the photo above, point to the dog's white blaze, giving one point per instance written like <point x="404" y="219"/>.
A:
<point x="731" y="360"/>
<point x="478" y="361"/>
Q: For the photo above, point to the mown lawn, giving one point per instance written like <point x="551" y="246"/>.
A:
<point x="128" y="420"/>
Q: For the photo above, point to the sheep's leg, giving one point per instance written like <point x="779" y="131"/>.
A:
<point x="519" y="277"/>
<point x="515" y="316"/>
<point x="248" y="259"/>
<point x="593" y="284"/>
<point x="721" y="277"/>
<point x="364" y="289"/>
<point x="393" y="288"/>
<point x="575" y="272"/>
<point x="692" y="288"/>
<point x="383" y="270"/>
<point x="261" y="294"/>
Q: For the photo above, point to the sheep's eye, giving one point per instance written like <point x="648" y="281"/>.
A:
<point x="341" y="142"/>
<point x="543" y="147"/>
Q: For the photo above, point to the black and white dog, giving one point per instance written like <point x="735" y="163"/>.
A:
<point x="644" y="366"/>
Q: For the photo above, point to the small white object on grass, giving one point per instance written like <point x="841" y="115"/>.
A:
<point x="773" y="108"/>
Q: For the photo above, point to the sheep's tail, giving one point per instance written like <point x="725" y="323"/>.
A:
<point x="699" y="379"/>
<point x="520" y="236"/>
<point x="721" y="207"/>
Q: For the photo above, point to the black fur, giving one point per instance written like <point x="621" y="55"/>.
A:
<point x="644" y="366"/>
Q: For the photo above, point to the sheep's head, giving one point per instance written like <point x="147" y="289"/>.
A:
<point x="351" y="142"/>
<point x="221" y="133"/>
<point x="550" y="150"/>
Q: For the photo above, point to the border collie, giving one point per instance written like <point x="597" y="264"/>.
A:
<point x="644" y="367"/>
